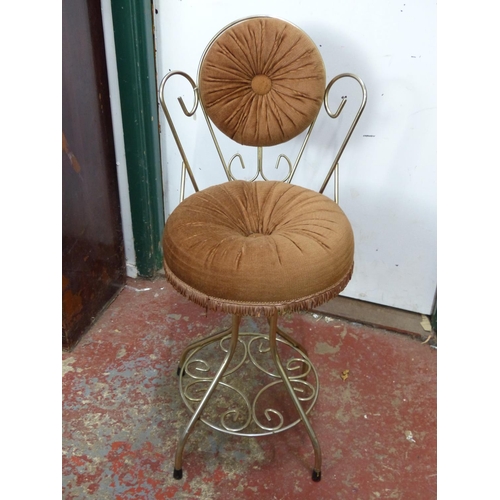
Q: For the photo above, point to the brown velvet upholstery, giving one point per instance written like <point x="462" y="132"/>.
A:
<point x="261" y="247"/>
<point x="262" y="82"/>
<point x="256" y="247"/>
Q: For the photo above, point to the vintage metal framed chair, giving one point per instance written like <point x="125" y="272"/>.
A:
<point x="260" y="248"/>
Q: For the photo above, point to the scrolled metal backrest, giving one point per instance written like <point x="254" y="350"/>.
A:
<point x="261" y="81"/>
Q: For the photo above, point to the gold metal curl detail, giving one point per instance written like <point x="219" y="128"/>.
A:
<point x="186" y="167"/>
<point x="241" y="415"/>
<point x="230" y="165"/>
<point x="260" y="168"/>
<point x="336" y="114"/>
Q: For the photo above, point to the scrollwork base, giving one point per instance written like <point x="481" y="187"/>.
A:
<point x="251" y="399"/>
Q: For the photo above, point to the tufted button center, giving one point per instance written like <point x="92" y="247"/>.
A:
<point x="261" y="84"/>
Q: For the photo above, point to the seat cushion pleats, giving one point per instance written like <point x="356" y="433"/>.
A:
<point x="264" y="245"/>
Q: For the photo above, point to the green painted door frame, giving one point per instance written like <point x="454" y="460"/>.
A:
<point x="135" y="54"/>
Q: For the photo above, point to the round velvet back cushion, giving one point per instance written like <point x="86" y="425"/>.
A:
<point x="262" y="81"/>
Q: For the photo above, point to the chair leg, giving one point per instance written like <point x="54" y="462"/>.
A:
<point x="273" y="329"/>
<point x="196" y="415"/>
<point x="292" y="341"/>
<point x="200" y="343"/>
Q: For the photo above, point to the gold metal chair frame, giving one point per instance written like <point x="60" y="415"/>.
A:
<point x="195" y="373"/>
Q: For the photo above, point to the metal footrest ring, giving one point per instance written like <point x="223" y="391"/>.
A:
<point x="250" y="399"/>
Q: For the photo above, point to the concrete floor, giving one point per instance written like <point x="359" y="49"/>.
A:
<point x="122" y="412"/>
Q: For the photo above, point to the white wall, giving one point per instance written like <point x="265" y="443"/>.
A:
<point x="388" y="171"/>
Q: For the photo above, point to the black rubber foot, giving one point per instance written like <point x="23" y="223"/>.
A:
<point x="316" y="476"/>
<point x="178" y="370"/>
<point x="177" y="473"/>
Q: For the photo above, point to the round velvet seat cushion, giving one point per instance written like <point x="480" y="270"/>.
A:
<point x="257" y="247"/>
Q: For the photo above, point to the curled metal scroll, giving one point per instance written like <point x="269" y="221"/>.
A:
<point x="227" y="166"/>
<point x="289" y="365"/>
<point x="260" y="169"/>
<point x="241" y="414"/>
<point x="335" y="114"/>
<point x="268" y="411"/>
<point x="185" y="163"/>
<point x="292" y="167"/>
<point x="242" y="162"/>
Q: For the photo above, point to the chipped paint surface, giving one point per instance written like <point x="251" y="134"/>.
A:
<point x="122" y="412"/>
<point x="72" y="158"/>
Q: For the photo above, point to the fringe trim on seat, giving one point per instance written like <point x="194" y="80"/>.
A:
<point x="267" y="309"/>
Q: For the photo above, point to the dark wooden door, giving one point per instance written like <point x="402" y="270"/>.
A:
<point x="93" y="263"/>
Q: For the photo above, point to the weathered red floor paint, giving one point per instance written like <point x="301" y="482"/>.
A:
<point x="122" y="412"/>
